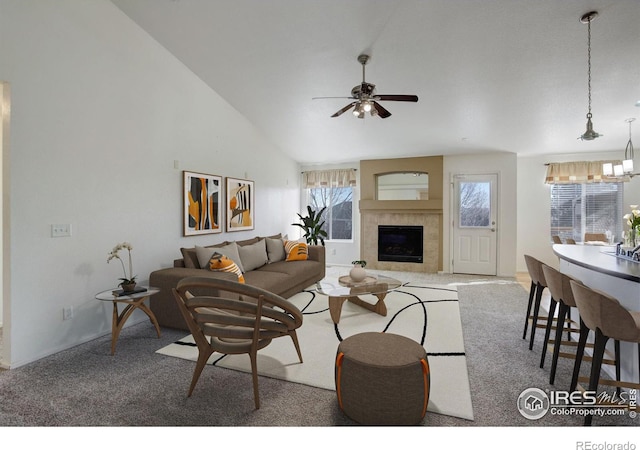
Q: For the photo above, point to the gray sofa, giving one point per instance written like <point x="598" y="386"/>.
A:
<point x="261" y="259"/>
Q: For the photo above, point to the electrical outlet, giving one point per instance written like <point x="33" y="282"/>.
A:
<point x="67" y="312"/>
<point x="61" y="230"/>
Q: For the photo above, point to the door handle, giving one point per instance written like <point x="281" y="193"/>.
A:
<point x="493" y="230"/>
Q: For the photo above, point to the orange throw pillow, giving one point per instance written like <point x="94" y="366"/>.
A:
<point x="296" y="251"/>
<point x="220" y="263"/>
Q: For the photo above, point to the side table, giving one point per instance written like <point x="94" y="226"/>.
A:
<point x="132" y="302"/>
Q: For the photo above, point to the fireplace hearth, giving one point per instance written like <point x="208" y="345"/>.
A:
<point x="400" y="243"/>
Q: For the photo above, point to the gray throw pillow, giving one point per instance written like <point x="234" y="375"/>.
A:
<point x="275" y="249"/>
<point x="253" y="255"/>
<point x="230" y="251"/>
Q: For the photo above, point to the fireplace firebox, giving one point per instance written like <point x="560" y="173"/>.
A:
<point x="400" y="243"/>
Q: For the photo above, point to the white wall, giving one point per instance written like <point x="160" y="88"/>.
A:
<point x="534" y="203"/>
<point x="100" y="112"/>
<point x="505" y="166"/>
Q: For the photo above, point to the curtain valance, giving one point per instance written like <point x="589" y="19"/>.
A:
<point x="329" y="178"/>
<point x="580" y="172"/>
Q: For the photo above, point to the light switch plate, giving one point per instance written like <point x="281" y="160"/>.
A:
<point x="61" y="230"/>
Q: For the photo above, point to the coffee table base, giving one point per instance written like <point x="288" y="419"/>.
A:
<point x="335" y="305"/>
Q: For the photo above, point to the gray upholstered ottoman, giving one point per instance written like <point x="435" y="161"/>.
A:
<point x="382" y="379"/>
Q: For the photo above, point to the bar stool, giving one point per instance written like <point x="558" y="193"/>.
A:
<point x="562" y="297"/>
<point x="559" y="286"/>
<point x="608" y="319"/>
<point x="538" y="284"/>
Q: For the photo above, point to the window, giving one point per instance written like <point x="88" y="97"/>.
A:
<point x="577" y="209"/>
<point x="338" y="216"/>
<point x="475" y="205"/>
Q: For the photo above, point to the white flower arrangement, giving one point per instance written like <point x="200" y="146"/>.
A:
<point x="114" y="254"/>
<point x="633" y="218"/>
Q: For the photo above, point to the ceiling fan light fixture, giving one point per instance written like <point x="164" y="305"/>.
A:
<point x="366" y="106"/>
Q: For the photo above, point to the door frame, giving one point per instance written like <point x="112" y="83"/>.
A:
<point x="453" y="213"/>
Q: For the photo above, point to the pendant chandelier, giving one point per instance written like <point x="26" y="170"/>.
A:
<point x="626" y="168"/>
<point x="590" y="134"/>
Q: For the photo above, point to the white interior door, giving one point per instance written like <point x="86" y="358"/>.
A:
<point x="475" y="224"/>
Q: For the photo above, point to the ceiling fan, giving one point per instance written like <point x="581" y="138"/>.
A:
<point x="366" y="99"/>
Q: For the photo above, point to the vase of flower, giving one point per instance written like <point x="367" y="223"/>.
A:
<point x="633" y="220"/>
<point x="128" y="287"/>
<point x="357" y="273"/>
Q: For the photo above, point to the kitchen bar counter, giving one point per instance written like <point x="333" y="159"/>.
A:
<point x="600" y="259"/>
<point x="599" y="268"/>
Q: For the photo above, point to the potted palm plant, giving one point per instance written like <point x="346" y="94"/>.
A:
<point x="312" y="226"/>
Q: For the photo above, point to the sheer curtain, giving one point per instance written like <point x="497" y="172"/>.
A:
<point x="329" y="178"/>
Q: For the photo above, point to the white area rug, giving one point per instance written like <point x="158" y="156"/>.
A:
<point x="426" y="313"/>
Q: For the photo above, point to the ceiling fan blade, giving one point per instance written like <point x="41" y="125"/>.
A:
<point x="320" y="98"/>
<point x="398" y="98"/>
<point x="349" y="106"/>
<point x="383" y="113"/>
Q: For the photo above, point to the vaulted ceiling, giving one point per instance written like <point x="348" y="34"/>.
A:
<point x="491" y="75"/>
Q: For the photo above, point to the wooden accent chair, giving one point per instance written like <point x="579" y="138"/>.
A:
<point x="571" y="241"/>
<point x="234" y="318"/>
<point x="607" y="319"/>
<point x="556" y="239"/>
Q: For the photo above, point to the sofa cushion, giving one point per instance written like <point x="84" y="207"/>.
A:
<point x="296" y="251"/>
<point x="221" y="263"/>
<point x="275" y="249"/>
<point x="253" y="255"/>
<point x="275" y="282"/>
<point x="247" y="241"/>
<point x="299" y="270"/>
<point x="190" y="256"/>
<point x="230" y="250"/>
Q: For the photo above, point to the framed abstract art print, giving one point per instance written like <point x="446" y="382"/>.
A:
<point x="240" y="204"/>
<point x="202" y="207"/>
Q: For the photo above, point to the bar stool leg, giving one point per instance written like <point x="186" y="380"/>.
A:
<point x="582" y="341"/>
<point x="616" y="347"/>
<point x="547" y="331"/>
<point x="562" y="312"/>
<point x="536" y="311"/>
<point x="596" y="365"/>
<point x="532" y="292"/>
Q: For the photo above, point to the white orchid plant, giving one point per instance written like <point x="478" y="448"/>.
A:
<point x="114" y="254"/>
<point x="633" y="218"/>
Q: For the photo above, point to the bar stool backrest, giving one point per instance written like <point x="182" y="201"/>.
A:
<point x="535" y="270"/>
<point x="599" y="310"/>
<point x="559" y="285"/>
